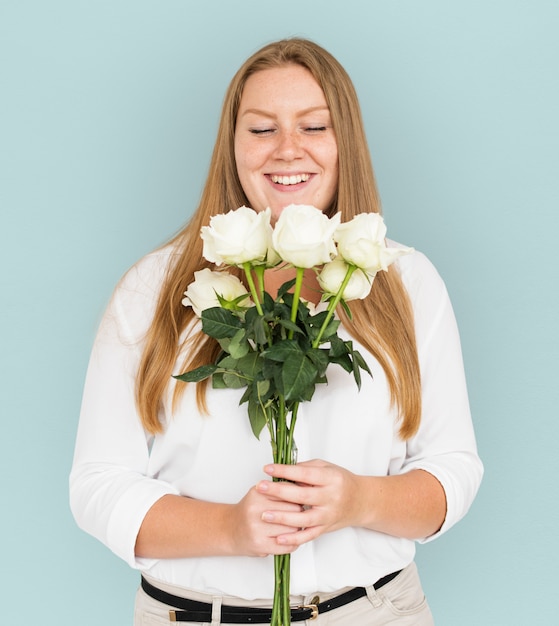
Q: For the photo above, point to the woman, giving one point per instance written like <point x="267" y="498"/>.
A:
<point x="169" y="476"/>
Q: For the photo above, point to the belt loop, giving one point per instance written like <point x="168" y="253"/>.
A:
<point x="216" y="610"/>
<point x="374" y="596"/>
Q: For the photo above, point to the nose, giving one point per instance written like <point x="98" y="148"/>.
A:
<point x="289" y="146"/>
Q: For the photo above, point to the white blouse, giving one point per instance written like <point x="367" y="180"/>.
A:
<point x="120" y="471"/>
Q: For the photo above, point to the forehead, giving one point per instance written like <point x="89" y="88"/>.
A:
<point x="289" y="85"/>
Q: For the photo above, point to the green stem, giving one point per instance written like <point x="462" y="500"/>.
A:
<point x="276" y="608"/>
<point x="296" y="296"/>
<point x="286" y="585"/>
<point x="289" y="451"/>
<point x="281" y="611"/>
<point x="253" y="291"/>
<point x="259" y="271"/>
<point x="333" y="304"/>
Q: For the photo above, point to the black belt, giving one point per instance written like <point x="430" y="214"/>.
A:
<point x="195" y="611"/>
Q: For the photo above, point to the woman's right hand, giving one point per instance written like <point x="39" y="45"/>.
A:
<point x="251" y="535"/>
<point x="181" y="527"/>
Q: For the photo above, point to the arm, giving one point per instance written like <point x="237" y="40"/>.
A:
<point x="179" y="527"/>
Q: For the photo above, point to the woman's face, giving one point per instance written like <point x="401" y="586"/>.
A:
<point x="285" y="147"/>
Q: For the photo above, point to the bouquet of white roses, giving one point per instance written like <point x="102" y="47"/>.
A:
<point x="279" y="348"/>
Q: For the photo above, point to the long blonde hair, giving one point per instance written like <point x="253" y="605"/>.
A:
<point x="383" y="322"/>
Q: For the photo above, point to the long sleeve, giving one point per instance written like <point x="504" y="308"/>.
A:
<point x="109" y="490"/>
<point x="445" y="444"/>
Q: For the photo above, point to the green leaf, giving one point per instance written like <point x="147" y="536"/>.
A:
<point x="256" y="416"/>
<point x="281" y="350"/>
<point x="259" y="330"/>
<point x="234" y="380"/>
<point x="339" y="353"/>
<point x="238" y="346"/>
<point x="356" y="374"/>
<point x="282" y="291"/>
<point x="267" y="302"/>
<point x="224" y="343"/>
<point x="228" y="363"/>
<point x="233" y="305"/>
<point x="330" y="330"/>
<point x="217" y="381"/>
<point x="220" y="323"/>
<point x="361" y="362"/>
<point x="262" y="388"/>
<point x="297" y="375"/>
<point x="346" y="309"/>
<point x="344" y="361"/>
<point x="271" y="370"/>
<point x="289" y="325"/>
<point x="198" y="374"/>
<point x="318" y="319"/>
<point x="319" y="358"/>
<point x="250" y="365"/>
<point x="337" y="347"/>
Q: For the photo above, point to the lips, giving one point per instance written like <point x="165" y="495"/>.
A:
<point x="293" y="179"/>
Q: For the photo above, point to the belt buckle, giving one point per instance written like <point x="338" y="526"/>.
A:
<point x="313" y="606"/>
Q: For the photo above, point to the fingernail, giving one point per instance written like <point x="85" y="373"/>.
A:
<point x="267" y="516"/>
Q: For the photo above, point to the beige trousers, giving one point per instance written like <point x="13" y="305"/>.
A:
<point x="401" y="602"/>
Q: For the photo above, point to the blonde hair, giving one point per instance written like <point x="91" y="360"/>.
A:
<point x="383" y="322"/>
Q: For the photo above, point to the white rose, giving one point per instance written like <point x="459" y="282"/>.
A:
<point x="238" y="237"/>
<point x="303" y="236"/>
<point x="202" y="293"/>
<point x="361" y="242"/>
<point x="272" y="257"/>
<point x="332" y="276"/>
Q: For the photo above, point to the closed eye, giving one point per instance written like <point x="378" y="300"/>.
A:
<point x="261" y="131"/>
<point x="315" y="129"/>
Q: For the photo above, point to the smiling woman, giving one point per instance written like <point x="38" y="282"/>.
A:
<point x="170" y="476"/>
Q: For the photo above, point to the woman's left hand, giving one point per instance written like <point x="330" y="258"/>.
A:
<point x="411" y="505"/>
<point x="327" y="493"/>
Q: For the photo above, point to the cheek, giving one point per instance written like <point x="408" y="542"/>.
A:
<point x="246" y="163"/>
<point x="247" y="159"/>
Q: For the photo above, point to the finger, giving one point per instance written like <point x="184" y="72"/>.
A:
<point x="307" y="518"/>
<point x="300" y="473"/>
<point x="284" y="521"/>
<point x="304" y="535"/>
<point x="300" y="495"/>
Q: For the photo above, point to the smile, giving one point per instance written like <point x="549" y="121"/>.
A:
<point x="290" y="180"/>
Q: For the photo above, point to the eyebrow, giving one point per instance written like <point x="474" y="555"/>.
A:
<point x="269" y="114"/>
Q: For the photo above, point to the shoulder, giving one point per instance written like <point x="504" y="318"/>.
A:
<point x="420" y="277"/>
<point x="416" y="270"/>
<point x="429" y="297"/>
<point x="147" y="274"/>
<point x="135" y="297"/>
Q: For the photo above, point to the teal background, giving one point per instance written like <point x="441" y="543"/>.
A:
<point x="108" y="112"/>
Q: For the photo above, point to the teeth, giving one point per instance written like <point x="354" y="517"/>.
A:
<point x="290" y="180"/>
